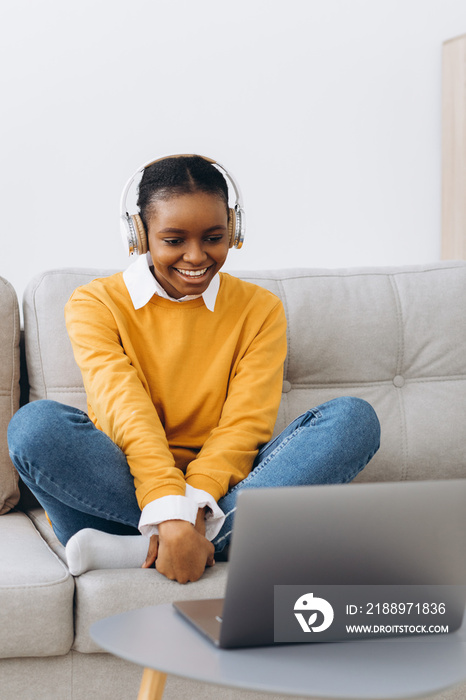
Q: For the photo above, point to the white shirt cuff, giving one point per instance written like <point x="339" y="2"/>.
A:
<point x="182" y="508"/>
<point x="166" y="508"/>
<point x="215" y="516"/>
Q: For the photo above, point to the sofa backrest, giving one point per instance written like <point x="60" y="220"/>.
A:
<point x="9" y="390"/>
<point x="393" y="336"/>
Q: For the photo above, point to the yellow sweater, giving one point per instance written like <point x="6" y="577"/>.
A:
<point x="187" y="394"/>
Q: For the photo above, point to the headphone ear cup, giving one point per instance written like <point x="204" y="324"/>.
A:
<point x="237" y="216"/>
<point x="231" y="227"/>
<point x="140" y="233"/>
<point x="133" y="234"/>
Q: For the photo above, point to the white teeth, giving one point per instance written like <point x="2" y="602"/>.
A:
<point x="192" y="273"/>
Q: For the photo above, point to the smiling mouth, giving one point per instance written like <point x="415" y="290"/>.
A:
<point x="192" y="274"/>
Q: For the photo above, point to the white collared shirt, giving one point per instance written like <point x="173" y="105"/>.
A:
<point x="142" y="285"/>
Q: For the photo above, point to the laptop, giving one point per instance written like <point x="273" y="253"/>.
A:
<point x="366" y="550"/>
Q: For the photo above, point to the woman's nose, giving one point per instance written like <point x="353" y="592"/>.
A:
<point x="195" y="254"/>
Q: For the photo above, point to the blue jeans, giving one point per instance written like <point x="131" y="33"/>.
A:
<point x="82" y="478"/>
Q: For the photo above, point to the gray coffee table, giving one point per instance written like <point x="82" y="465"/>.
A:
<point x="158" y="638"/>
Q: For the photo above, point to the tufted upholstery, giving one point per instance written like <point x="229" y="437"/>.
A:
<point x="395" y="337"/>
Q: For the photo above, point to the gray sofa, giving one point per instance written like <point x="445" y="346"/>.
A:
<point x="396" y="337"/>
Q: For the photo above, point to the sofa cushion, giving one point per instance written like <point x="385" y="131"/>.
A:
<point x="36" y="593"/>
<point x="111" y="591"/>
<point x="9" y="390"/>
<point x="108" y="592"/>
<point x="42" y="525"/>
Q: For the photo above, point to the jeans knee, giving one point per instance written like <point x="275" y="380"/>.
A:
<point x="359" y="419"/>
<point x="30" y="430"/>
<point x="18" y="428"/>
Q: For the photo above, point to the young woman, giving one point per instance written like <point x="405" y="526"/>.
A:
<point x="183" y="372"/>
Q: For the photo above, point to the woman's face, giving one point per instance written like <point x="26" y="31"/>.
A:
<point x="188" y="241"/>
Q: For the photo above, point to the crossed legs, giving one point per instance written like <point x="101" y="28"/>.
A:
<point x="83" y="481"/>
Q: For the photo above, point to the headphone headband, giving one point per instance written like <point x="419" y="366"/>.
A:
<point x="132" y="228"/>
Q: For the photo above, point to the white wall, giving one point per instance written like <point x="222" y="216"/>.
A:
<point x="328" y="113"/>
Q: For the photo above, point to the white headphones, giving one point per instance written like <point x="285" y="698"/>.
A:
<point x="132" y="228"/>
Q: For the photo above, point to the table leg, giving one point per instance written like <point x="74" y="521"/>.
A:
<point x="152" y="685"/>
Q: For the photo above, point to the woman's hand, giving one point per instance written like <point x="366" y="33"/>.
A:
<point x="183" y="553"/>
<point x="152" y="552"/>
<point x="180" y="550"/>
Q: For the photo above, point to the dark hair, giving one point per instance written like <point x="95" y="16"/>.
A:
<point x="176" y="176"/>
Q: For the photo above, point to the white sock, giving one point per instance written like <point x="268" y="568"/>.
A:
<point x="91" y="549"/>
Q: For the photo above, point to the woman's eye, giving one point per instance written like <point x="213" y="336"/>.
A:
<point x="173" y="241"/>
<point x="214" y="239"/>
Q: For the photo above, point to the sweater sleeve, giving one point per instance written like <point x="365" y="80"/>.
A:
<point x="249" y="413"/>
<point x="119" y="401"/>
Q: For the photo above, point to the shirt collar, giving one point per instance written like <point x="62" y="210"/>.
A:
<point x="142" y="285"/>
